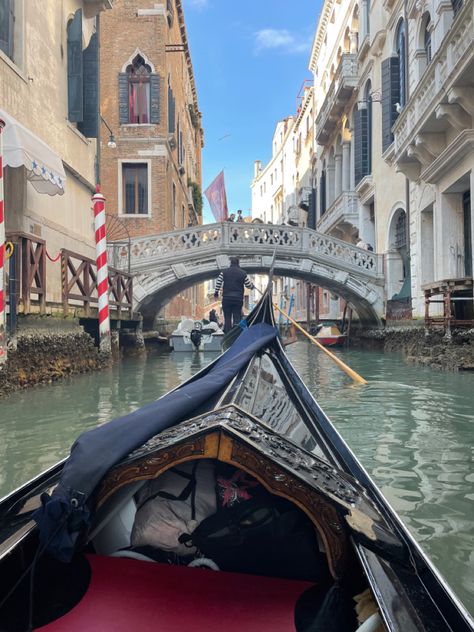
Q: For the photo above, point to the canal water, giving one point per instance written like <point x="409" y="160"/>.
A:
<point x="411" y="427"/>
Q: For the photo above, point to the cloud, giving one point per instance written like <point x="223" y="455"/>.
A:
<point x="282" y="40"/>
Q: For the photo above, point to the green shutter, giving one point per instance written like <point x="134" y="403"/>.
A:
<point x="90" y="124"/>
<point x="361" y="145"/>
<point x="155" y="95"/>
<point x="74" y="68"/>
<point x="390" y="96"/>
<point x="123" y="97"/>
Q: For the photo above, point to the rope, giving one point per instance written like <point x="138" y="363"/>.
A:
<point x="50" y="257"/>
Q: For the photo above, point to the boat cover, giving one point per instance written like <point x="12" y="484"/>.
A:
<point x="65" y="513"/>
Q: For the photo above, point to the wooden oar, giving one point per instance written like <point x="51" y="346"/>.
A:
<point x="347" y="369"/>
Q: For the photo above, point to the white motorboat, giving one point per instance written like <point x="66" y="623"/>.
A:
<point x="195" y="335"/>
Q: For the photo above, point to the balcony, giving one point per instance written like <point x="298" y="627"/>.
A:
<point x="340" y="91"/>
<point x="441" y="107"/>
<point x="342" y="212"/>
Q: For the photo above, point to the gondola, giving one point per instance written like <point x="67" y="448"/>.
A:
<point x="230" y="503"/>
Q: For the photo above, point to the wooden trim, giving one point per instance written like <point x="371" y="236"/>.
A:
<point x="228" y="449"/>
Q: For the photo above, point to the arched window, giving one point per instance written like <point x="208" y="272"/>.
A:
<point x="402" y="60"/>
<point x="368" y="101"/>
<point x="427" y="36"/>
<point x="138" y="74"/>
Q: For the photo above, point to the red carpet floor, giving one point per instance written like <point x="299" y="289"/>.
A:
<point x="128" y="595"/>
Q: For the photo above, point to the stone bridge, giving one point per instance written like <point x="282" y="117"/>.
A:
<point x="168" y="263"/>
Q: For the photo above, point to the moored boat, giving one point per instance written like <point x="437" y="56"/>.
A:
<point x="196" y="335"/>
<point x="229" y="503"/>
<point x="330" y="336"/>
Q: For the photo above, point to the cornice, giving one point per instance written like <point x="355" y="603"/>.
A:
<point x="320" y="32"/>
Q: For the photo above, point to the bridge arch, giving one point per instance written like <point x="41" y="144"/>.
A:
<point x="168" y="263"/>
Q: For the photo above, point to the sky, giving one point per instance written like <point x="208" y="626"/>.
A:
<point x="250" y="59"/>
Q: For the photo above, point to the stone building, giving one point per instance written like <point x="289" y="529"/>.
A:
<point x="151" y="171"/>
<point x="432" y="139"/>
<point x="50" y="133"/>
<point x="393" y="104"/>
<point x="281" y="189"/>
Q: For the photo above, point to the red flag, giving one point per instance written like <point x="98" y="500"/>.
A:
<point x="217" y="198"/>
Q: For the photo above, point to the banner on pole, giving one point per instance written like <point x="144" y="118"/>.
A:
<point x="217" y="198"/>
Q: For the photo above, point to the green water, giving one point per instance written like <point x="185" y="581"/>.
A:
<point x="411" y="427"/>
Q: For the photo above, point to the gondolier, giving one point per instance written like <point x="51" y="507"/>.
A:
<point x="232" y="282"/>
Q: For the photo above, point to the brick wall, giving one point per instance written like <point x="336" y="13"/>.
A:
<point x="147" y="28"/>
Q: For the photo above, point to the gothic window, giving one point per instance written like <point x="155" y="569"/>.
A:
<point x="139" y="91"/>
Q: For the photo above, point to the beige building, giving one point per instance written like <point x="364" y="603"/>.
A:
<point x="151" y="175"/>
<point x="433" y="142"/>
<point x="49" y="137"/>
<point x="393" y="104"/>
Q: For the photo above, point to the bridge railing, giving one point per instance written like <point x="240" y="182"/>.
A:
<point x="246" y="239"/>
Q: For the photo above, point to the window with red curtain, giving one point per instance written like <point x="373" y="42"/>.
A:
<point x="139" y="91"/>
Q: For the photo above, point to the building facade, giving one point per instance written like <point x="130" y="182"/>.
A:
<point x="50" y="135"/>
<point x="151" y="171"/>
<point x="432" y="139"/>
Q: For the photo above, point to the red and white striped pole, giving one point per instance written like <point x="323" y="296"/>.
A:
<point x="102" y="271"/>
<point x="3" y="321"/>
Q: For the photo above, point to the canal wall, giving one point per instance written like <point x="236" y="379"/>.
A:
<point x="434" y="349"/>
<point x="44" y="355"/>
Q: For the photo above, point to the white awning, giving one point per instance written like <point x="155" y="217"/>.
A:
<point x="21" y="147"/>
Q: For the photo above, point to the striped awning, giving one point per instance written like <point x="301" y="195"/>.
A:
<point x="21" y="147"/>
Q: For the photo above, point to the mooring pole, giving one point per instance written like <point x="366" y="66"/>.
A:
<point x="98" y="201"/>
<point x="3" y="320"/>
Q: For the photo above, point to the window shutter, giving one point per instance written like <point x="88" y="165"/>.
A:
<point x="171" y="111"/>
<point x="361" y="145"/>
<point x="6" y="27"/>
<point x="155" y="93"/>
<point x="322" y="194"/>
<point x="123" y="97"/>
<point x="74" y="68"/>
<point x="90" y="123"/>
<point x="390" y="96"/>
<point x="312" y="210"/>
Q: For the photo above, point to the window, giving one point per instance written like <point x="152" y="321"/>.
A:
<point x="368" y="105"/>
<point x="401" y="54"/>
<point x="456" y="4"/>
<point x="134" y="189"/>
<point x="427" y="39"/>
<point x="138" y="91"/>
<point x="6" y="26"/>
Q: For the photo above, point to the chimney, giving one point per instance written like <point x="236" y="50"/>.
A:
<point x="257" y="168"/>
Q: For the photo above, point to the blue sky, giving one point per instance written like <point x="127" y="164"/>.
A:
<point x="250" y="59"/>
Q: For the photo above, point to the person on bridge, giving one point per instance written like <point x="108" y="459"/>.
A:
<point x="233" y="280"/>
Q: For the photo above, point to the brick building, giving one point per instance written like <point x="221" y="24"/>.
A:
<point x="151" y="171"/>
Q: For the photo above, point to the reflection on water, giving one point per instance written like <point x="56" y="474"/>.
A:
<point x="411" y="428"/>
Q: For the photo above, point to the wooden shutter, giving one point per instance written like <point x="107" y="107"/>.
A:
<point x="123" y="98"/>
<point x="361" y="145"/>
<point x="390" y="96"/>
<point x="90" y="123"/>
<point x="155" y="95"/>
<point x="74" y="68"/>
